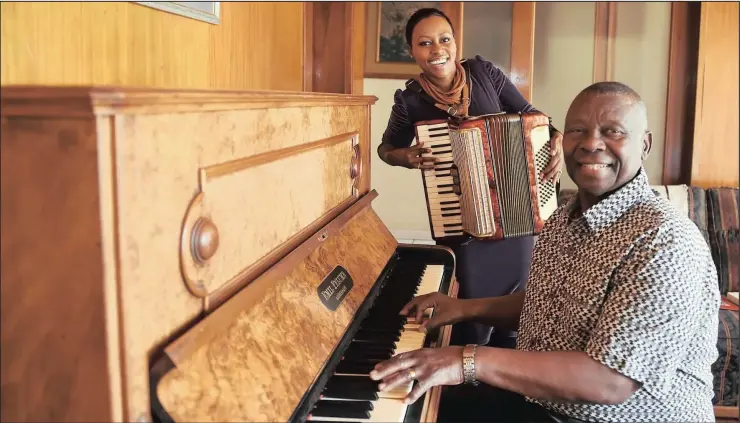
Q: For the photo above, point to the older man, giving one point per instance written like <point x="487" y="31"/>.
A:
<point x="619" y="319"/>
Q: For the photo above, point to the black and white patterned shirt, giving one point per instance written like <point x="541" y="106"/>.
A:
<point x="630" y="282"/>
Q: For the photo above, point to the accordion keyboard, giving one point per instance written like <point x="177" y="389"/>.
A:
<point x="443" y="202"/>
<point x="498" y="159"/>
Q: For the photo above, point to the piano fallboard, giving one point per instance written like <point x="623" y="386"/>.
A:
<point x="268" y="353"/>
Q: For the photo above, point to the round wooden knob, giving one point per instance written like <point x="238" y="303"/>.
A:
<point x="204" y="240"/>
<point x="354" y="165"/>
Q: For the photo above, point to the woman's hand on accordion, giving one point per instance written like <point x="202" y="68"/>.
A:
<point x="447" y="310"/>
<point x="411" y="157"/>
<point x="552" y="171"/>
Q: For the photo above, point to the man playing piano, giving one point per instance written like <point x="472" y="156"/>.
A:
<point x="619" y="318"/>
<point x="484" y="268"/>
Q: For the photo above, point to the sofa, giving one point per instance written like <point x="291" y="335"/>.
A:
<point x="715" y="212"/>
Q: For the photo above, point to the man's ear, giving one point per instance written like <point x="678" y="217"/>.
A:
<point x="647" y="144"/>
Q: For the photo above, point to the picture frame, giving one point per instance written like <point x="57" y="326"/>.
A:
<point x="386" y="52"/>
<point x="205" y="11"/>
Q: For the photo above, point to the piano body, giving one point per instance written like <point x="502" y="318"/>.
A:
<point x="200" y="256"/>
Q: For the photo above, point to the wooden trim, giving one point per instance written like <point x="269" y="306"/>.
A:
<point x="35" y="100"/>
<point x="356" y="22"/>
<point x="522" y="47"/>
<point x="248" y="275"/>
<point x="221" y="169"/>
<point x="182" y="348"/>
<point x="307" y="46"/>
<point x="725" y="412"/>
<point x="605" y="28"/>
<point x="681" y="94"/>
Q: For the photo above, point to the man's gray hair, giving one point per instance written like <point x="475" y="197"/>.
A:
<point x="612" y="87"/>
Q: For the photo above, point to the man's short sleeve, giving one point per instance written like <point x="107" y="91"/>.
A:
<point x="658" y="300"/>
<point x="399" y="132"/>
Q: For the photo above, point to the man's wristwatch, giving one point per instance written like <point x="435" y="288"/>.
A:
<point x="468" y="357"/>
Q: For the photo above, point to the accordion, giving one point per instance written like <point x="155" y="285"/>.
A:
<point x="498" y="159"/>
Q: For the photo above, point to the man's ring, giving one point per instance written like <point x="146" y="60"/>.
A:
<point x="412" y="374"/>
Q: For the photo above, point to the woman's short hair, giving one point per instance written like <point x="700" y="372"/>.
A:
<point x="419" y="16"/>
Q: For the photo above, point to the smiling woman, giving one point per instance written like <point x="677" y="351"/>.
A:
<point x="465" y="88"/>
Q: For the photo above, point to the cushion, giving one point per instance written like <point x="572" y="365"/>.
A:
<point x="724" y="236"/>
<point x="678" y="195"/>
<point x="725" y="369"/>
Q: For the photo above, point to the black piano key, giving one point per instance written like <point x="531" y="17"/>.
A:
<point x="353" y="368"/>
<point x="382" y="354"/>
<point x="439" y="153"/>
<point x="354" y="394"/>
<point x="338" y="388"/>
<point x="381" y="329"/>
<point x="340" y="381"/>
<point x="349" y="409"/>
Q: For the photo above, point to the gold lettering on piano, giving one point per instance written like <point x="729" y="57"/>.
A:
<point x="335" y="288"/>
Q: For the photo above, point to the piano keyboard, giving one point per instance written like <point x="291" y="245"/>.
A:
<point x="444" y="204"/>
<point x="350" y="395"/>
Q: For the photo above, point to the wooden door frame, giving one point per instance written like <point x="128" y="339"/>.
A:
<point x="681" y="96"/>
<point x="522" y="47"/>
<point x="346" y="63"/>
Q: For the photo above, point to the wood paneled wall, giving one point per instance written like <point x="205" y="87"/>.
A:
<point x="716" y="140"/>
<point x="257" y="45"/>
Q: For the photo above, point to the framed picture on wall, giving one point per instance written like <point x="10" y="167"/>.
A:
<point x="386" y="52"/>
<point x="206" y="11"/>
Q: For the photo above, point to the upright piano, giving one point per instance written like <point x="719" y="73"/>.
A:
<point x="200" y="256"/>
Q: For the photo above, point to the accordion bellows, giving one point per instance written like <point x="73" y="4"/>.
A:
<point x="498" y="159"/>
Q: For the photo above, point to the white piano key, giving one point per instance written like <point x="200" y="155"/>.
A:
<point x="384" y="410"/>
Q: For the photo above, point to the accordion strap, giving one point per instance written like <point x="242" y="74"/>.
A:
<point x="414" y="85"/>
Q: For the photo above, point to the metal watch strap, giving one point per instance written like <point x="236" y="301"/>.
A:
<point x="469" y="364"/>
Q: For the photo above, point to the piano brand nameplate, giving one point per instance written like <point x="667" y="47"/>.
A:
<point x="335" y="287"/>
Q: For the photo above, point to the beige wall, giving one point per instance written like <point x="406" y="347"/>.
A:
<point x="641" y="61"/>
<point x="563" y="58"/>
<point x="400" y="202"/>
<point x="563" y="65"/>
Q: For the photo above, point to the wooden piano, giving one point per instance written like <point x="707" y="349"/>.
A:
<point x="200" y="256"/>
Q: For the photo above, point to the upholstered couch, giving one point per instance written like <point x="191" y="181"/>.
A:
<point x="715" y="212"/>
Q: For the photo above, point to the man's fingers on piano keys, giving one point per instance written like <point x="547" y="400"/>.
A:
<point x="419" y="389"/>
<point x="411" y="305"/>
<point x="395" y="368"/>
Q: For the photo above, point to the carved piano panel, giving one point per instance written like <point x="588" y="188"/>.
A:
<point x="127" y="214"/>
<point x="255" y="358"/>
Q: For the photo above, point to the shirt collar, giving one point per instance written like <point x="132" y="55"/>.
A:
<point x="604" y="213"/>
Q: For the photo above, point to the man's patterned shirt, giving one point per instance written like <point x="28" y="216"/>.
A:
<point x="631" y="282"/>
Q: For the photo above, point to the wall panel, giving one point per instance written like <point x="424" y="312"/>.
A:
<point x="715" y="149"/>
<point x="256" y="46"/>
